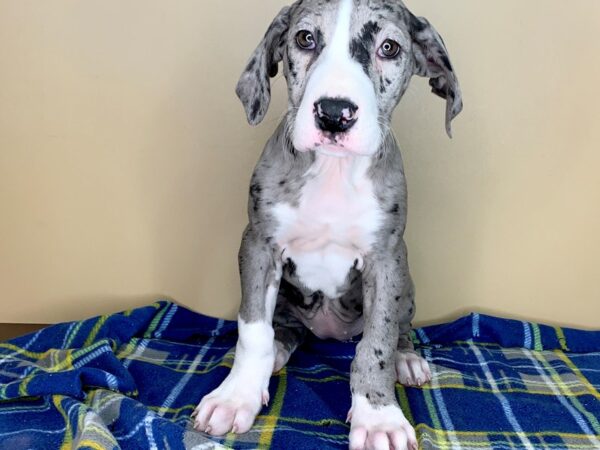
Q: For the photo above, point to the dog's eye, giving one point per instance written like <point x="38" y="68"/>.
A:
<point x="305" y="40"/>
<point x="389" y="49"/>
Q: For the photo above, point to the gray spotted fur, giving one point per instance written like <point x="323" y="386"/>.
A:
<point x="383" y="292"/>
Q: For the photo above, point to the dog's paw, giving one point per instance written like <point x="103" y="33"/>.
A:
<point x="233" y="406"/>
<point x="411" y="369"/>
<point x="379" y="428"/>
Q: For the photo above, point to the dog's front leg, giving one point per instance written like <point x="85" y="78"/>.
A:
<point x="377" y="422"/>
<point x="233" y="406"/>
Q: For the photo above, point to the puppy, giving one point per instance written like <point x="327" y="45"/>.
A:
<point x="324" y="251"/>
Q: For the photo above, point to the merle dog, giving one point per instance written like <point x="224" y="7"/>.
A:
<point x="324" y="249"/>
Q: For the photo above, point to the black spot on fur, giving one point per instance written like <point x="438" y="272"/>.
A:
<point x="255" y="109"/>
<point x="446" y="62"/>
<point x="395" y="208"/>
<point x="382" y="88"/>
<point x="416" y="25"/>
<point x="255" y="190"/>
<point x="317" y="296"/>
<point x="291" y="293"/>
<point x="291" y="267"/>
<point x="250" y="65"/>
<point x="320" y="41"/>
<point x="361" y="48"/>
<point x="378" y="352"/>
<point x="397" y="298"/>
<point x="291" y="69"/>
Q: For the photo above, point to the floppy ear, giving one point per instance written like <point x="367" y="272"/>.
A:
<point x="432" y="61"/>
<point x="254" y="87"/>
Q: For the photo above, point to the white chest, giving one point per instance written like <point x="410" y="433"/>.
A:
<point x="333" y="225"/>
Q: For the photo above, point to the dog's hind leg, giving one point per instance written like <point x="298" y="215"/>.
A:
<point x="289" y="333"/>
<point x="411" y="369"/>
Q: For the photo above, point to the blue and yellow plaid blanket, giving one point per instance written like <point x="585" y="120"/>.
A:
<point x="131" y="380"/>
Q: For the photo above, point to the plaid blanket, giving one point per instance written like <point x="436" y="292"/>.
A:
<point x="131" y="380"/>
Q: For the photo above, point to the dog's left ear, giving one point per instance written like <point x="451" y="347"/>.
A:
<point x="254" y="87"/>
<point x="432" y="61"/>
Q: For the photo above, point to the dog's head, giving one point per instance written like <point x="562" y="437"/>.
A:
<point x="347" y="64"/>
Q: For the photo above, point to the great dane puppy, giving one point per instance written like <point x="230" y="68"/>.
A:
<point x="324" y="249"/>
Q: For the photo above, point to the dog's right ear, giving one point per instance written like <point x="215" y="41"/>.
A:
<point x="254" y="87"/>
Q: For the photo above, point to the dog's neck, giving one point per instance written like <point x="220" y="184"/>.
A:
<point x="339" y="170"/>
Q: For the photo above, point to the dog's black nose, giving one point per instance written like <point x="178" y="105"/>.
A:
<point x="335" y="115"/>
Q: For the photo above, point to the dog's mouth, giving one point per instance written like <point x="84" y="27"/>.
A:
<point x="338" y="140"/>
<point x="334" y="144"/>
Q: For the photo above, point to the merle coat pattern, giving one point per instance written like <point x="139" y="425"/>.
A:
<point x="324" y="251"/>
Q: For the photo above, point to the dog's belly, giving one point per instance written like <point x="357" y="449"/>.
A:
<point x="327" y="323"/>
<point x="338" y="318"/>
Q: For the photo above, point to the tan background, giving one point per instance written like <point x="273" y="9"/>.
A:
<point x="125" y="158"/>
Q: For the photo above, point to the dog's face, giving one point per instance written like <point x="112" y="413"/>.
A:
<point x="347" y="64"/>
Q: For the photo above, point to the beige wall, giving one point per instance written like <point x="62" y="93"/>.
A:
<point x="125" y="158"/>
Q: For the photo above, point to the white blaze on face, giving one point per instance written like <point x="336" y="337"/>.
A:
<point x="337" y="75"/>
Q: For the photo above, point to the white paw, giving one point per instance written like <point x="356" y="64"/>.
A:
<point x="381" y="428"/>
<point x="411" y="369"/>
<point x="232" y="406"/>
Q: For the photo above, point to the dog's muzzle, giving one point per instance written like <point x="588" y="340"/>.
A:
<point x="335" y="115"/>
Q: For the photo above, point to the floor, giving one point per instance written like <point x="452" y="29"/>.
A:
<point x="12" y="330"/>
